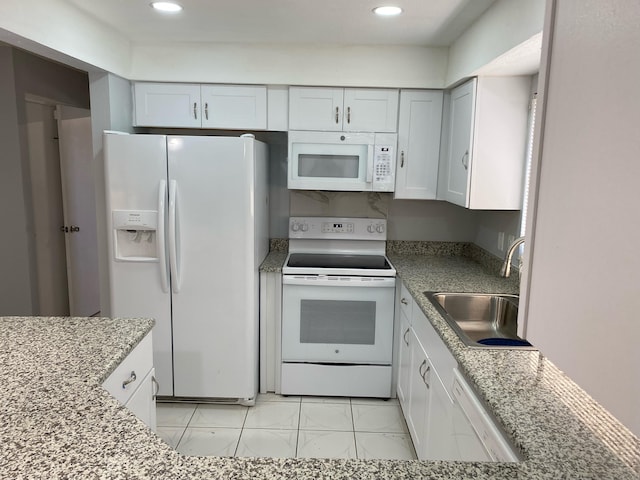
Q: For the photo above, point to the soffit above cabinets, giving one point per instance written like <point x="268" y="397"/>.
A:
<point x="424" y="23"/>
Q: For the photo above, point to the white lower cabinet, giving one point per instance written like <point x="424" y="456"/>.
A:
<point x="423" y="360"/>
<point x="419" y="398"/>
<point x="441" y="428"/>
<point x="133" y="384"/>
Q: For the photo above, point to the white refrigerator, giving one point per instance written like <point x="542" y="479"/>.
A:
<point x="188" y="228"/>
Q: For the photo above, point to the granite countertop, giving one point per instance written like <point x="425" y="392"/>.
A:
<point x="58" y="422"/>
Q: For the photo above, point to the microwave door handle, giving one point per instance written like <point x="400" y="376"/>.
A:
<point x="370" y="163"/>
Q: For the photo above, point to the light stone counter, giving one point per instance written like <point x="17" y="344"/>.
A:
<point x="57" y="422"/>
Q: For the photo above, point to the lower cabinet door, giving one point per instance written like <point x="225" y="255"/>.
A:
<point x="440" y="442"/>
<point x="143" y="402"/>
<point x="419" y="399"/>
<point x="404" y="363"/>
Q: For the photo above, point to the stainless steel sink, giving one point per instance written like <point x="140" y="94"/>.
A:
<point x="481" y="319"/>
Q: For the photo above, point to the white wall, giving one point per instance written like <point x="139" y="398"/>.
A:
<point x="364" y="66"/>
<point x="53" y="27"/>
<point x="111" y="109"/>
<point x="430" y="220"/>
<point x="490" y="224"/>
<point x="583" y="291"/>
<point x="506" y="24"/>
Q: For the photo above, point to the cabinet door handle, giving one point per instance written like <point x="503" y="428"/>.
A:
<point x="465" y="164"/>
<point x="156" y="386"/>
<point x="424" y="375"/>
<point x="195" y="111"/>
<point x="132" y="378"/>
<point x="424" y="362"/>
<point x="404" y="337"/>
<point x="337" y="114"/>
<point x="348" y="114"/>
<point x="402" y="159"/>
<point x="404" y="301"/>
<point x="206" y="111"/>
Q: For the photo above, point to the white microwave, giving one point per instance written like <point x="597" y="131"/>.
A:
<point x="361" y="162"/>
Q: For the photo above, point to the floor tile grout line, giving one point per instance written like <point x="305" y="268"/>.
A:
<point x="353" y="424"/>
<point x="244" y="421"/>
<point x="184" y="430"/>
<point x="298" y="433"/>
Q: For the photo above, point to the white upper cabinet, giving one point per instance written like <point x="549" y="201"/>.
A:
<point x="200" y="106"/>
<point x="167" y="105"/>
<point x="483" y="143"/>
<point x="338" y="109"/>
<point x="370" y="110"/>
<point x="315" y="108"/>
<point x="419" y="131"/>
<point x="234" y="106"/>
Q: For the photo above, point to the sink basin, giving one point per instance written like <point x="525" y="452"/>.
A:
<point x="481" y="319"/>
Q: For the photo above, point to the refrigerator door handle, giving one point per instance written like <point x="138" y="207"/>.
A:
<point x="161" y="244"/>
<point x="173" y="237"/>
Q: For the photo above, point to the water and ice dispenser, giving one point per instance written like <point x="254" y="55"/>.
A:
<point x="135" y="235"/>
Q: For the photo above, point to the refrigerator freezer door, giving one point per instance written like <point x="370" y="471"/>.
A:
<point x="214" y="320"/>
<point x="135" y="175"/>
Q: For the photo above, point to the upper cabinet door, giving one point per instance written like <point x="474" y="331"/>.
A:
<point x="418" y="144"/>
<point x="315" y="108"/>
<point x="484" y="147"/>
<point x="167" y="105"/>
<point x="459" y="143"/>
<point x="234" y="107"/>
<point x="338" y="109"/>
<point x="370" y="110"/>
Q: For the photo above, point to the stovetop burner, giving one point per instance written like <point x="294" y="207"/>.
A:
<point x="321" y="260"/>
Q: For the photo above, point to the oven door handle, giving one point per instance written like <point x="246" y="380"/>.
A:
<point x="336" y="281"/>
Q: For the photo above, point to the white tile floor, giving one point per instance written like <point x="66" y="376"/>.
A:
<point x="303" y="427"/>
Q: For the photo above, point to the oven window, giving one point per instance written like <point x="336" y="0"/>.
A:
<point x="338" y="321"/>
<point x="328" y="166"/>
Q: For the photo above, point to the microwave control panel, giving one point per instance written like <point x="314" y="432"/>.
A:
<point x="383" y="167"/>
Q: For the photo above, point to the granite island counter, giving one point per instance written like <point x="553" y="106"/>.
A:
<point x="58" y="422"/>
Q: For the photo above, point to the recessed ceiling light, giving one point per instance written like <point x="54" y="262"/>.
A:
<point x="387" y="11"/>
<point x="168" y="7"/>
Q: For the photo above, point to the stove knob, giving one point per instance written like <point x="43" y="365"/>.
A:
<point x="304" y="227"/>
<point x="371" y="228"/>
<point x="295" y="227"/>
<point x="380" y="228"/>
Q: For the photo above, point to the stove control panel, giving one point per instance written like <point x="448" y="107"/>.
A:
<point x="330" y="228"/>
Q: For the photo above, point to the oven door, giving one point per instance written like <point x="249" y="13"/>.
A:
<point x="327" y="319"/>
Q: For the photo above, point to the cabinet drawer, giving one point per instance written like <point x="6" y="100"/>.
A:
<point x="138" y="363"/>
<point x="437" y="351"/>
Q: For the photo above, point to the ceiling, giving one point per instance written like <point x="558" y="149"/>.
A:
<point x="342" y="22"/>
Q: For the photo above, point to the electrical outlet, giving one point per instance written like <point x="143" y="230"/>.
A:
<point x="501" y="241"/>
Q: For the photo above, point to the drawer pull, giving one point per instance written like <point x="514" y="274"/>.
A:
<point x="132" y="378"/>
<point x="405" y="337"/>
<point x="404" y="301"/>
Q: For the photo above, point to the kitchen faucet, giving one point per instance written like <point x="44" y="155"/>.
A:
<point x="506" y="266"/>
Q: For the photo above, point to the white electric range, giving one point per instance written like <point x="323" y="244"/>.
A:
<point x="338" y="293"/>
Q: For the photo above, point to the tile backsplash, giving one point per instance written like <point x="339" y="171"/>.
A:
<point x="338" y="204"/>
